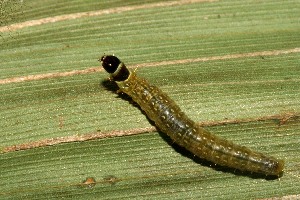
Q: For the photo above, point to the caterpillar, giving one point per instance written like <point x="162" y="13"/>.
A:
<point x="169" y="119"/>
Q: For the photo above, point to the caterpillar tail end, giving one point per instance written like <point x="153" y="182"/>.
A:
<point x="278" y="168"/>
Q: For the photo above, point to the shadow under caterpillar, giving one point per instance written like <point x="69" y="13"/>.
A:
<point x="169" y="119"/>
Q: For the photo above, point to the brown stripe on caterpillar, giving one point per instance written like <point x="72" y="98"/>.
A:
<point x="169" y="118"/>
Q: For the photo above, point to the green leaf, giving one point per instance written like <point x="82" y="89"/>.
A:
<point x="232" y="66"/>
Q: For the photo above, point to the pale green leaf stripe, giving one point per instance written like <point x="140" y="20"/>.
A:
<point x="148" y="166"/>
<point x="232" y="28"/>
<point x="81" y="104"/>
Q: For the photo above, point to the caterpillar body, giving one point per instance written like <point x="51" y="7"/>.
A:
<point x="169" y="119"/>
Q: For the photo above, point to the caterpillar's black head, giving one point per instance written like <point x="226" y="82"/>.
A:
<point x="115" y="67"/>
<point x="110" y="63"/>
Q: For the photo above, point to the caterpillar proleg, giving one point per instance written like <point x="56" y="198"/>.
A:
<point x="169" y="119"/>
